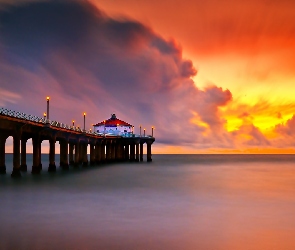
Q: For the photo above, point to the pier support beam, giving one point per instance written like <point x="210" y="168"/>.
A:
<point x="85" y="157"/>
<point x="36" y="154"/>
<point x="16" y="155"/>
<point x="121" y="151"/>
<point x="141" y="152"/>
<point x="81" y="145"/>
<point x="98" y="152"/>
<point x="108" y="151"/>
<point x="52" y="166"/>
<point x="64" y="162"/>
<point x="149" y="151"/>
<point x="23" y="166"/>
<point x="137" y="152"/>
<point x="113" y="151"/>
<point x="132" y="152"/>
<point x="126" y="152"/>
<point x="40" y="162"/>
<point x="3" y="138"/>
<point x="77" y="154"/>
<point x="117" y="151"/>
<point x="92" y="155"/>
<point x="103" y="152"/>
<point x="71" y="153"/>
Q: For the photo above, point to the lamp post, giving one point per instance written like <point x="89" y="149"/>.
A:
<point x="140" y="130"/>
<point x="152" y="131"/>
<point x="44" y="114"/>
<point x="84" y="114"/>
<point x="73" y="123"/>
<point x="144" y="132"/>
<point x="47" y="98"/>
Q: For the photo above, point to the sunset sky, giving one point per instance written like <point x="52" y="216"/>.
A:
<point x="210" y="76"/>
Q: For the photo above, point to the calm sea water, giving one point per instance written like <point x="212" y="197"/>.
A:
<point x="176" y="202"/>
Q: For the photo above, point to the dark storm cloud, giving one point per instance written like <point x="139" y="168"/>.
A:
<point x="88" y="61"/>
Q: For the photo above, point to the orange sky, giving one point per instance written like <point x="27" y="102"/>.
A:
<point x="240" y="100"/>
<point x="247" y="47"/>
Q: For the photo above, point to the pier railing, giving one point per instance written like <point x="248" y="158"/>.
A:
<point x="44" y="121"/>
<point x="40" y="120"/>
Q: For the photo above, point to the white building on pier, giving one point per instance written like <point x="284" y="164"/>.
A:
<point x="113" y="126"/>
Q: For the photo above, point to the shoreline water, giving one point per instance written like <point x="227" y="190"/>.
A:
<point x="175" y="202"/>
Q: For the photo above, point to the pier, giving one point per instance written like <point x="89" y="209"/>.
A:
<point x="73" y="142"/>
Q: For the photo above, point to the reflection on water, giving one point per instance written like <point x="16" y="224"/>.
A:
<point x="175" y="202"/>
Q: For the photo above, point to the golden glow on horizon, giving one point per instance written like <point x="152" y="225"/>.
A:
<point x="263" y="115"/>
<point x="161" y="149"/>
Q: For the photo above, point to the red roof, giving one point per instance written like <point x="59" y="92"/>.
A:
<point x="113" y="122"/>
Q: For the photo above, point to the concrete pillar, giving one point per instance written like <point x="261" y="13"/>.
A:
<point x="36" y="155"/>
<point x="64" y="162"/>
<point x="3" y="138"/>
<point x="108" y="151"/>
<point x="71" y="153"/>
<point x="149" y="151"/>
<point x="141" y="152"/>
<point x="81" y="150"/>
<point x="40" y="163"/>
<point x="113" y="151"/>
<point x="126" y="151"/>
<point x="98" y="153"/>
<point x="52" y="166"/>
<point x="103" y="153"/>
<point x="122" y="152"/>
<point x="66" y="155"/>
<point x="137" y="152"/>
<point x="132" y="151"/>
<point x="16" y="155"/>
<point x="117" y="151"/>
<point x="77" y="154"/>
<point x="85" y="158"/>
<point x="23" y="166"/>
<point x="61" y="154"/>
<point x="92" y="155"/>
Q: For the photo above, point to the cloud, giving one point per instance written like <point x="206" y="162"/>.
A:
<point x="288" y="128"/>
<point x="250" y="135"/>
<point x="89" y="62"/>
<point x="86" y="60"/>
<point x="7" y="97"/>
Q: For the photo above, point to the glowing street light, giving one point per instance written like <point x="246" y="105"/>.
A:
<point x="140" y="130"/>
<point x="152" y="131"/>
<point x="47" y="98"/>
<point x="84" y="114"/>
<point x="44" y="114"/>
<point x="73" y="123"/>
<point x="144" y="132"/>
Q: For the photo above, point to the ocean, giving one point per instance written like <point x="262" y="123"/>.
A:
<point x="218" y="202"/>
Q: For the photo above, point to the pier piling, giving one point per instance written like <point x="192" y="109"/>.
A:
<point x="73" y="144"/>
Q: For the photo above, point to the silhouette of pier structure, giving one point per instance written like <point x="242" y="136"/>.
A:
<point x="73" y="143"/>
